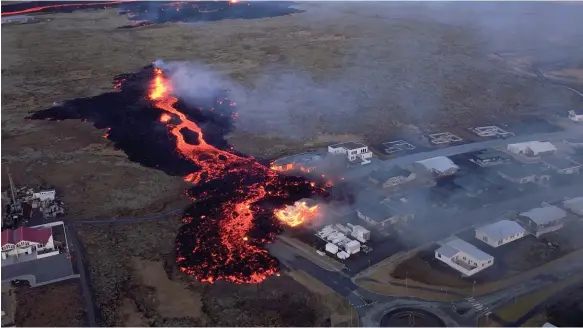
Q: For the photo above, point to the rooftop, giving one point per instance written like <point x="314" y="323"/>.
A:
<point x="306" y="158"/>
<point x="471" y="183"/>
<point x="395" y="171"/>
<point x="574" y="204"/>
<point x="535" y="146"/>
<point x="544" y="215"/>
<point x="491" y="154"/>
<point x="501" y="229"/>
<point x="37" y="235"/>
<point x="350" y="145"/>
<point x="561" y="163"/>
<point x="520" y="171"/>
<point x="439" y="163"/>
<point x="469" y="249"/>
<point x="376" y="211"/>
<point x="447" y="251"/>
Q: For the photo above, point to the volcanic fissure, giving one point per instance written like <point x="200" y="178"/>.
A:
<point x="235" y="197"/>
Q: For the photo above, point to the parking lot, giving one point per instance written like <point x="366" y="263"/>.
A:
<point x="43" y="270"/>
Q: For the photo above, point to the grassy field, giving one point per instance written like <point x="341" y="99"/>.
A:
<point x="337" y="70"/>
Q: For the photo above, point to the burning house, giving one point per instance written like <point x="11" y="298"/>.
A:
<point x="305" y="162"/>
<point x="302" y="211"/>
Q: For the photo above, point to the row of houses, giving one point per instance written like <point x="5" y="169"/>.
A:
<point x="469" y="260"/>
<point x="26" y="240"/>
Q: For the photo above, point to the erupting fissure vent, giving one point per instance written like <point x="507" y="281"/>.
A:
<point x="225" y="230"/>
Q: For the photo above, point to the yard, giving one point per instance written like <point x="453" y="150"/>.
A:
<point x="511" y="259"/>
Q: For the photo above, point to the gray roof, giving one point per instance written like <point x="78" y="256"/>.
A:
<point x="575" y="205"/>
<point x="518" y="171"/>
<point x="376" y="211"/>
<point x="350" y="145"/>
<point x="491" y="154"/>
<point x="447" y="251"/>
<point x="306" y="158"/>
<point x="501" y="229"/>
<point x="384" y="175"/>
<point x="439" y="163"/>
<point x="544" y="215"/>
<point x="561" y="163"/>
<point x="469" y="249"/>
<point x="471" y="183"/>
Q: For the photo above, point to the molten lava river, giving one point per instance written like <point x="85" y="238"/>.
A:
<point x="239" y="204"/>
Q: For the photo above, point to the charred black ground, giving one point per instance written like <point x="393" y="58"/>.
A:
<point x="143" y="13"/>
<point x="244" y="190"/>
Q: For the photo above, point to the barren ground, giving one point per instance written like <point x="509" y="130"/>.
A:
<point x="131" y="267"/>
<point x="56" y="305"/>
<point x="397" y="74"/>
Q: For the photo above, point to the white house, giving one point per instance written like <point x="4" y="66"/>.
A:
<point x="463" y="257"/>
<point x="354" y="151"/>
<point x="576" y="116"/>
<point x="44" y="195"/>
<point x="574" y="205"/>
<point x="532" y="148"/>
<point x="539" y="221"/>
<point x="438" y="166"/>
<point x="393" y="177"/>
<point x="500" y="233"/>
<point x="25" y="240"/>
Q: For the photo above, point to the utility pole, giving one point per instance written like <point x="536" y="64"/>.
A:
<point x="473" y="287"/>
<point x="407" y="283"/>
<point x="11" y="186"/>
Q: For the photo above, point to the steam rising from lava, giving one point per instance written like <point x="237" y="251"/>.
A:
<point x="226" y="228"/>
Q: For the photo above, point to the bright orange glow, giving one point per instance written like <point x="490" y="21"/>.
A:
<point x="298" y="214"/>
<point x="35" y="9"/>
<point x="165" y="118"/>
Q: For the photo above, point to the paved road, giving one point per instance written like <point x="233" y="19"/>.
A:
<point x="76" y="251"/>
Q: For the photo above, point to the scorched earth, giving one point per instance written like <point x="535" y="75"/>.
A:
<point x="235" y="197"/>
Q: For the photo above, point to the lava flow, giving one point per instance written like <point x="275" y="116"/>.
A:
<point x="236" y="196"/>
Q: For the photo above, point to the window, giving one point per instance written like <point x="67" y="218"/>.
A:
<point x="485" y="239"/>
<point x="489" y="261"/>
<point x="438" y="255"/>
<point x="499" y="242"/>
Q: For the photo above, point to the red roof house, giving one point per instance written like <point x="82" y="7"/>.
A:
<point x="26" y="234"/>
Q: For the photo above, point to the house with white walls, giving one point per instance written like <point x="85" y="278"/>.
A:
<point x="532" y="148"/>
<point x="355" y="152"/>
<point x="542" y="220"/>
<point x="439" y="166"/>
<point x="463" y="257"/>
<point x="26" y="240"/>
<point x="500" y="233"/>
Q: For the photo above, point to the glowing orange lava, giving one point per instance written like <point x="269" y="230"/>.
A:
<point x="236" y="216"/>
<point x="40" y="8"/>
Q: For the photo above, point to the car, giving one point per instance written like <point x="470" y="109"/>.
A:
<point x="20" y="283"/>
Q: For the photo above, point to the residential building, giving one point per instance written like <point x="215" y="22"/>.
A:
<point x="574" y="205"/>
<point x="574" y="143"/>
<point x="391" y="178"/>
<point x="539" y="221"/>
<point x="521" y="174"/>
<point x="354" y="151"/>
<point x="489" y="157"/>
<point x="472" y="184"/>
<point x="43" y="195"/>
<point x="25" y="240"/>
<point x="500" y="233"/>
<point x="438" y="166"/>
<point x="380" y="215"/>
<point x="532" y="148"/>
<point x="563" y="165"/>
<point x="576" y="116"/>
<point x="463" y="257"/>
<point x="304" y="162"/>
